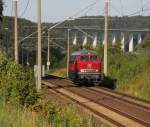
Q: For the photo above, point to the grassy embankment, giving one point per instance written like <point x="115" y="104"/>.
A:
<point x="52" y="114"/>
<point x="132" y="74"/>
<point x="131" y="70"/>
<point x="22" y="106"/>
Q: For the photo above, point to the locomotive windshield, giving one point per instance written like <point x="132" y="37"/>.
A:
<point x="84" y="58"/>
<point x="93" y="58"/>
<point x="88" y="58"/>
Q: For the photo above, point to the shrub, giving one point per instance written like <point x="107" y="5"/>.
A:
<point x="16" y="83"/>
<point x="62" y="115"/>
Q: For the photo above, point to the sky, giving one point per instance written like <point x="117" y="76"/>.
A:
<point x="59" y="10"/>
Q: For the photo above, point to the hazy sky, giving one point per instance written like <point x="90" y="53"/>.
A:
<point x="57" y="10"/>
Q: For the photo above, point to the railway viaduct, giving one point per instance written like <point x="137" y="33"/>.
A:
<point x="129" y="38"/>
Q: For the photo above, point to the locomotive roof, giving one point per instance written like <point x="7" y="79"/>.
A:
<point x="84" y="52"/>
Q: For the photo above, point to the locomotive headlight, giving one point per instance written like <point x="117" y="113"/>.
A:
<point x="82" y="70"/>
<point x="96" y="70"/>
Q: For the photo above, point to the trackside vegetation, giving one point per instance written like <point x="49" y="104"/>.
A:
<point x="131" y="70"/>
<point x="22" y="106"/>
<point x="16" y="83"/>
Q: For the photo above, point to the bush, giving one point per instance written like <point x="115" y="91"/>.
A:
<point x="131" y="72"/>
<point x="16" y="83"/>
<point x="62" y="115"/>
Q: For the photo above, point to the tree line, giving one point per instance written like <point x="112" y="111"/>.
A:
<point x="28" y="46"/>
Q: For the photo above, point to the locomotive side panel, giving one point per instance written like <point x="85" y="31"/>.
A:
<point x="72" y="67"/>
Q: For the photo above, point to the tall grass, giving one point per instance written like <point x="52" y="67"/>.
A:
<point x="132" y="73"/>
<point x="138" y="85"/>
<point x="46" y="114"/>
<point x="13" y="116"/>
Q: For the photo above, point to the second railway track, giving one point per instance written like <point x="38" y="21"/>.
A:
<point x="117" y="109"/>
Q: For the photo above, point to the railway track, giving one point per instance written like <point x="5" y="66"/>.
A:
<point x="114" y="108"/>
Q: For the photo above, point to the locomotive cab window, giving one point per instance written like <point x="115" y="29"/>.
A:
<point x="84" y="58"/>
<point x="93" y="58"/>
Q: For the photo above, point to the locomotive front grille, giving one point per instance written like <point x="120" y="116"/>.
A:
<point x="89" y="76"/>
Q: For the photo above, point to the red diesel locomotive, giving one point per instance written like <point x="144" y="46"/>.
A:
<point x="85" y="66"/>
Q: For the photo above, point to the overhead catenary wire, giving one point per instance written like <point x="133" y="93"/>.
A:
<point x="141" y="7"/>
<point x="68" y="18"/>
<point x="138" y="12"/>
<point x="84" y="32"/>
<point x="25" y="9"/>
<point x="141" y="10"/>
<point x="85" y="8"/>
<point x="92" y="8"/>
<point x="147" y="3"/>
<point x="122" y="8"/>
<point x="30" y="35"/>
<point x="111" y="5"/>
<point x="53" y="42"/>
<point x="11" y="13"/>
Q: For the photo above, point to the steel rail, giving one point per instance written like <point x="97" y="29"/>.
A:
<point x="116" y="110"/>
<point x="115" y="123"/>
<point x="124" y="97"/>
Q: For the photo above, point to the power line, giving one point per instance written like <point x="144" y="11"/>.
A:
<point x="68" y="18"/>
<point x="84" y="32"/>
<point x="138" y="12"/>
<point x="141" y="10"/>
<point x="87" y="7"/>
<point x="122" y="9"/>
<point x="141" y="7"/>
<point x="93" y="9"/>
<point x="134" y="13"/>
<point x="21" y="41"/>
<point x="111" y="5"/>
<point x="25" y="9"/>
<point x="147" y="3"/>
<point x="11" y="13"/>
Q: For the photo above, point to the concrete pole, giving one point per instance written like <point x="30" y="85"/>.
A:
<point x="106" y="38"/>
<point x="84" y="41"/>
<point x="28" y="58"/>
<point x="122" y="42"/>
<point x="15" y="2"/>
<point x="139" y="39"/>
<point x="68" y="53"/>
<point x="131" y="45"/>
<point x="39" y="46"/>
<point x="114" y="40"/>
<point x="48" y="51"/>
